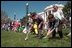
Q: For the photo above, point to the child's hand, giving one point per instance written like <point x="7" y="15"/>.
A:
<point x="49" y="29"/>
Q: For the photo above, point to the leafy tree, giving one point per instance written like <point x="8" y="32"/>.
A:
<point x="4" y="17"/>
<point x="67" y="8"/>
<point x="24" y="20"/>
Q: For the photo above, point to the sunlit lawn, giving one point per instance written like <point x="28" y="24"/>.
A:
<point x="13" y="39"/>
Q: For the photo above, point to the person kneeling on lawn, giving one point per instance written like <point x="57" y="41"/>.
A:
<point x="52" y="25"/>
<point x="36" y="18"/>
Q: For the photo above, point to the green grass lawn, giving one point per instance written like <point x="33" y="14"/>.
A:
<point x="13" y="39"/>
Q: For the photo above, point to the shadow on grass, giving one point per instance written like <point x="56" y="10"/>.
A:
<point x="56" y="38"/>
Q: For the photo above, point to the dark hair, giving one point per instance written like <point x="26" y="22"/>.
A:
<point x="50" y="16"/>
<point x="55" y="7"/>
<point x="49" y="11"/>
<point x="33" y="14"/>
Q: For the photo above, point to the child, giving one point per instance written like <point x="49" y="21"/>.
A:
<point x="52" y="25"/>
<point x="37" y="18"/>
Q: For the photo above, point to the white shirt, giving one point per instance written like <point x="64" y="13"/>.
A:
<point x="58" y="14"/>
<point x="3" y="25"/>
<point x="69" y="18"/>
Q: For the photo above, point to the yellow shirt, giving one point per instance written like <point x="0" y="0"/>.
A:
<point x="35" y="26"/>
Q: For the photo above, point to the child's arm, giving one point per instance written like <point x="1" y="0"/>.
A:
<point x="49" y="32"/>
<point x="40" y="25"/>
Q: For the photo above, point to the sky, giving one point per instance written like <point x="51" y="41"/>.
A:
<point x="19" y="7"/>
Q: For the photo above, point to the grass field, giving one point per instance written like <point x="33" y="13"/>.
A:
<point x="13" y="39"/>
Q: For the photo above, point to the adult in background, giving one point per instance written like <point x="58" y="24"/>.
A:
<point x="3" y="27"/>
<point x="16" y="24"/>
<point x="58" y="14"/>
<point x="6" y="26"/>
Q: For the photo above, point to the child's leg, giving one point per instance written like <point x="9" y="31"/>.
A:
<point x="60" y="34"/>
<point x="33" y="30"/>
<point x="53" y="34"/>
<point x="40" y="33"/>
<point x="14" y="29"/>
<point x="60" y="31"/>
<point x="48" y="33"/>
<point x="56" y="30"/>
<point x="27" y="34"/>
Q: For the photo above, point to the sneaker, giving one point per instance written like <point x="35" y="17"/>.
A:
<point x="26" y="38"/>
<point x="44" y="37"/>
